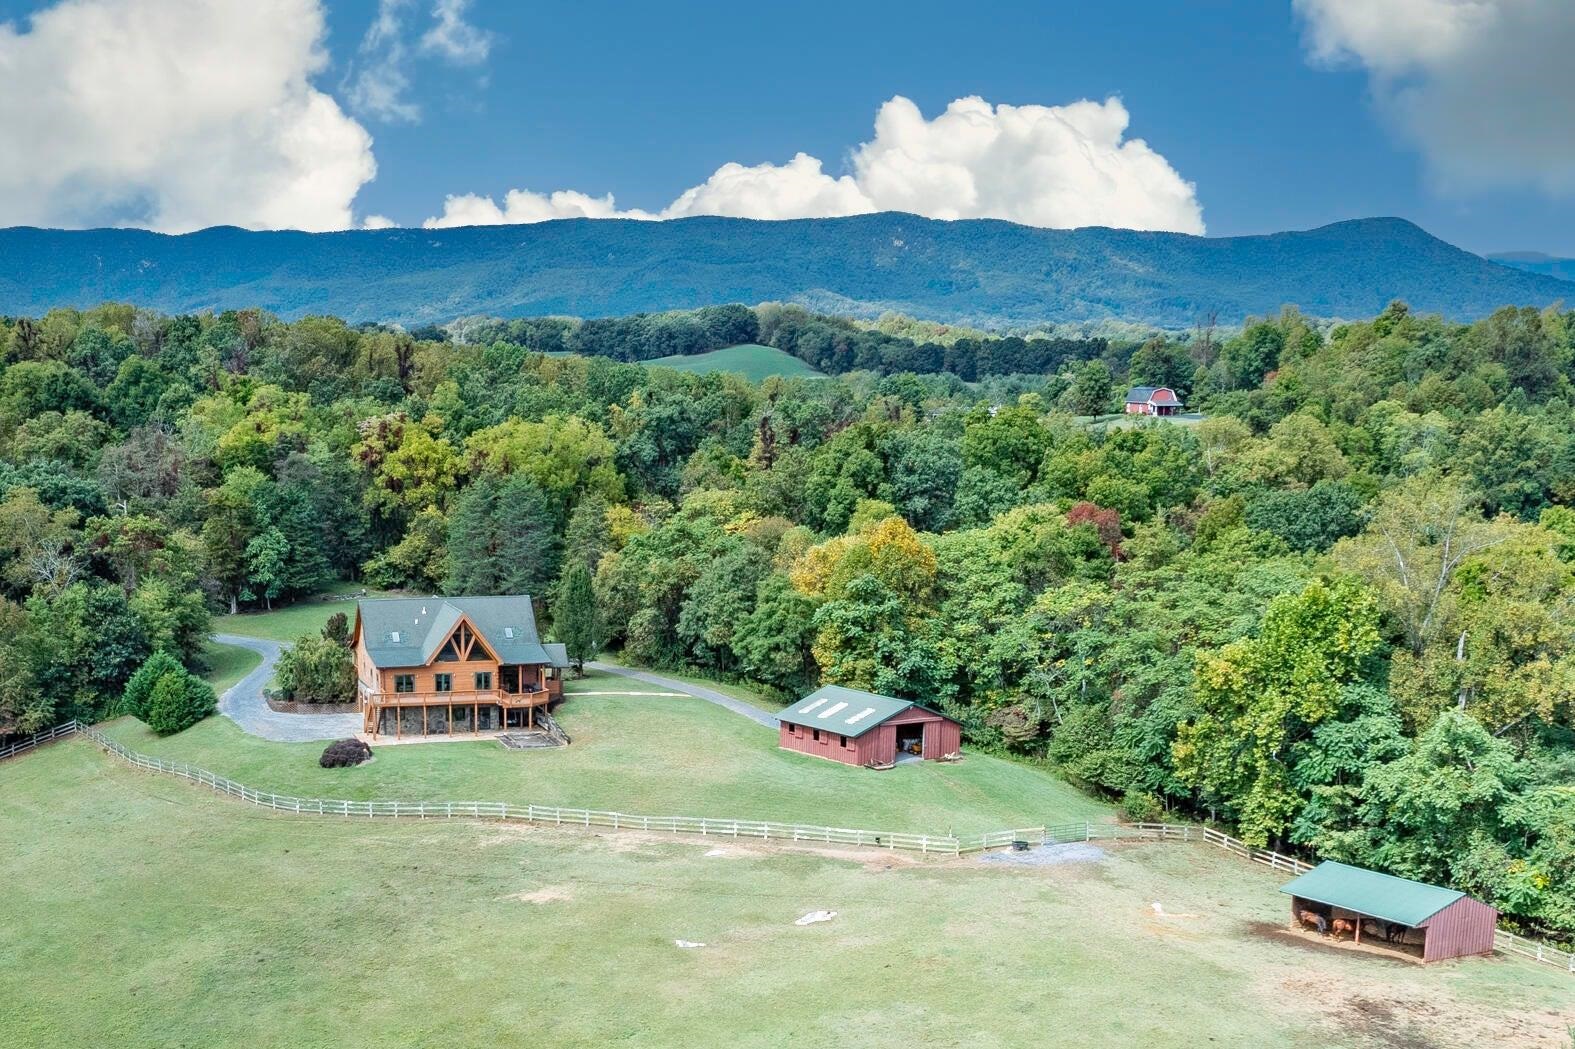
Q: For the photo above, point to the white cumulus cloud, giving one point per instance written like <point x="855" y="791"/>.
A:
<point x="1059" y="166"/>
<point x="174" y="114"/>
<point x="1482" y="88"/>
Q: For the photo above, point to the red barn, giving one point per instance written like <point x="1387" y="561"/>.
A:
<point x="1152" y="400"/>
<point x="865" y="728"/>
<point x="1451" y="924"/>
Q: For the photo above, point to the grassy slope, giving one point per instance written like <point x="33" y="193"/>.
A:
<point x="754" y="362"/>
<point x="753" y="698"/>
<point x="144" y="912"/>
<point x="652" y="756"/>
<point x="227" y="664"/>
<point x="288" y="622"/>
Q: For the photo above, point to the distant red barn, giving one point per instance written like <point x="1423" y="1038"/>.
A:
<point x="866" y="728"/>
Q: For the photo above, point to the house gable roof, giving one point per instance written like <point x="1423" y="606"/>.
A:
<point x="848" y="712"/>
<point x="409" y="631"/>
<point x="1371" y="893"/>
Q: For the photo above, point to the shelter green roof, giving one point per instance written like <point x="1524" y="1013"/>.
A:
<point x="408" y="631"/>
<point x="1371" y="893"/>
<point x="845" y="711"/>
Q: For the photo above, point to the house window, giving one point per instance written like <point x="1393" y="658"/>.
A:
<point x="483" y="681"/>
<point x="443" y="682"/>
<point x="404" y="682"/>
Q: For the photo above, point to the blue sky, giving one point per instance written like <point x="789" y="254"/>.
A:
<point x="1274" y="129"/>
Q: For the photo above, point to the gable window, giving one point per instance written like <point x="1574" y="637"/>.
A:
<point x="404" y="682"/>
<point x="483" y="681"/>
<point x="443" y="682"/>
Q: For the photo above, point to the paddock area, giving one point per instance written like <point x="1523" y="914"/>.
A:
<point x="168" y="915"/>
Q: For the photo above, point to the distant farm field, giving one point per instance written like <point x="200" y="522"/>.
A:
<point x="145" y="912"/>
<point x="751" y="360"/>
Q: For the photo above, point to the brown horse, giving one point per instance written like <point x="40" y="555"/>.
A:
<point x="1314" y="920"/>
<point x="1344" y="925"/>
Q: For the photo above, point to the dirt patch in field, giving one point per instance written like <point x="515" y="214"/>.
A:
<point x="1413" y="1015"/>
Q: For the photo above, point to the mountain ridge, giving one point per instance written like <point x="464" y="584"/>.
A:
<point x="986" y="272"/>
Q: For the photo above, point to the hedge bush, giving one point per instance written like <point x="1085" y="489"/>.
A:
<point x="139" y="689"/>
<point x="345" y="753"/>
<point x="317" y="669"/>
<point x="179" y="700"/>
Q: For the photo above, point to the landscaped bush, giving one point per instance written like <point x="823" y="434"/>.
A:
<point x="317" y="669"/>
<point x="179" y="700"/>
<point x="139" y="689"/>
<point x="345" y="753"/>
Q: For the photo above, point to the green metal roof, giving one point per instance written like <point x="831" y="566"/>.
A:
<point x="408" y="631"/>
<point x="845" y="711"/>
<point x="1371" y="893"/>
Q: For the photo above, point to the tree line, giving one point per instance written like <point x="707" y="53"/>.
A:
<point x="1336" y="614"/>
<point x="834" y="345"/>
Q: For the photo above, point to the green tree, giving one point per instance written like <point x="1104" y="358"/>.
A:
<point x="178" y="701"/>
<point x="1258" y="697"/>
<point x="574" y="614"/>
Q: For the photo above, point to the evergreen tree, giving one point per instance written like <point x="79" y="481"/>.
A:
<point x="574" y="618"/>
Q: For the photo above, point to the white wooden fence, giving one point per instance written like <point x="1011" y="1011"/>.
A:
<point x="765" y="830"/>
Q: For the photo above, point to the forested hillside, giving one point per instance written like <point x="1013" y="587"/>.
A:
<point x="1336" y="615"/>
<point x="983" y="272"/>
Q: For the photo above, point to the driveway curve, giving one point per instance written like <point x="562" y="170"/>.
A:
<point x="710" y="695"/>
<point x="243" y="702"/>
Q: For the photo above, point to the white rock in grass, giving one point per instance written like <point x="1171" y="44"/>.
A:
<point x="816" y="916"/>
<point x="688" y="944"/>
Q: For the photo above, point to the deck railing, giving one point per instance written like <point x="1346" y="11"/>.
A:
<point x="764" y="830"/>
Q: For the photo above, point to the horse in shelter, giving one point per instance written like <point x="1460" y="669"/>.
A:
<point x="1344" y="925"/>
<point x="1314" y="920"/>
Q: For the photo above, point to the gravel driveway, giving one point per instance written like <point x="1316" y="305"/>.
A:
<point x="243" y="703"/>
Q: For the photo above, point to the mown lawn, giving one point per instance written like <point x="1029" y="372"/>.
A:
<point x="288" y="622"/>
<point x="649" y="755"/>
<point x="227" y="664"/>
<point x="142" y="912"/>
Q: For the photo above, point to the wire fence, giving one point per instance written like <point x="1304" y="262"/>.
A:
<point x="764" y="830"/>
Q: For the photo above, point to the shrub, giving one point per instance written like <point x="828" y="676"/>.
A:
<point x="1141" y="807"/>
<point x="139" y="688"/>
<point x="317" y="670"/>
<point x="345" y="753"/>
<point x="179" y="700"/>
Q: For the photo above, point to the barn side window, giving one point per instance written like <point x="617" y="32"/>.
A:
<point x="844" y="742"/>
<point x="817" y="735"/>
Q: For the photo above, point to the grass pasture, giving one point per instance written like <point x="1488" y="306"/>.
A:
<point x="145" y="912"/>
<point x="751" y="360"/>
<point x="647" y="755"/>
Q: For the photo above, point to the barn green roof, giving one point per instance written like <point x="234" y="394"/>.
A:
<point x="408" y="631"/>
<point x="848" y="712"/>
<point x="1371" y="893"/>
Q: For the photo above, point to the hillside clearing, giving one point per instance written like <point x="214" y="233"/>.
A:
<point x="168" y="916"/>
<point x="751" y="360"/>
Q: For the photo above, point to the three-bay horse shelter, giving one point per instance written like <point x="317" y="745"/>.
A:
<point x="866" y="728"/>
<point x="1453" y="924"/>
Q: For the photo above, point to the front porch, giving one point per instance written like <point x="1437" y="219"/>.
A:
<point x="448" y="714"/>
